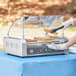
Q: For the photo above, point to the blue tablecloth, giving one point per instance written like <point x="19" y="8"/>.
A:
<point x="55" y="65"/>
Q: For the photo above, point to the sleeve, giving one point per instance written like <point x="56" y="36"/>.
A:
<point x="68" y="23"/>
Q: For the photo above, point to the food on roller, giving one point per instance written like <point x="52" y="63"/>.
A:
<point x="31" y="40"/>
<point x="49" y="31"/>
<point x="44" y="38"/>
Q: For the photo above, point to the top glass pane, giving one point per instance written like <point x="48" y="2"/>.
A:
<point x="39" y="21"/>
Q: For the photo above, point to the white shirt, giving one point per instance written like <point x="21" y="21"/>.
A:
<point x="69" y="22"/>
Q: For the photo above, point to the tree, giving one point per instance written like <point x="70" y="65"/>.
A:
<point x="71" y="7"/>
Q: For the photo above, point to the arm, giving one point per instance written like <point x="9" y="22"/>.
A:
<point x="69" y="22"/>
<point x="71" y="41"/>
<point x="65" y="24"/>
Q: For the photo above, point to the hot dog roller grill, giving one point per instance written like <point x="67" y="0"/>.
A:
<point x="23" y="47"/>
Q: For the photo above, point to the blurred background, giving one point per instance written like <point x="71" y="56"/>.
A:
<point x="11" y="9"/>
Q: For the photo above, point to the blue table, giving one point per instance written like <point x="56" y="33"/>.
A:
<point x="56" y="65"/>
